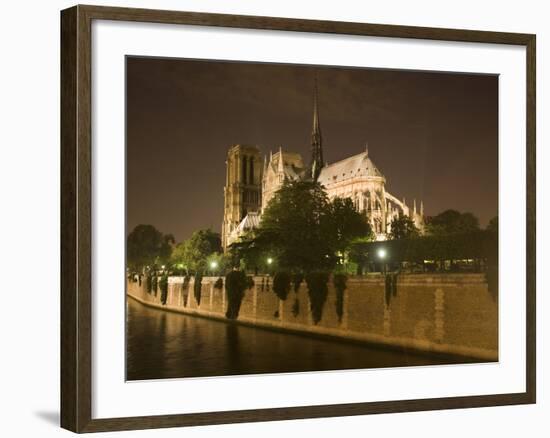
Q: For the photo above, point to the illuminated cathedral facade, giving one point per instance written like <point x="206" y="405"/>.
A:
<point x="251" y="182"/>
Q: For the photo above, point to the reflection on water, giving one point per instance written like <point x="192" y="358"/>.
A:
<point x="163" y="344"/>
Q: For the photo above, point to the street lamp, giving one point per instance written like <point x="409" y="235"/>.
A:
<point x="269" y="263"/>
<point x="382" y="256"/>
<point x="213" y="265"/>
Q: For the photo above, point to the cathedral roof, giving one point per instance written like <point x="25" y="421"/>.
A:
<point x="293" y="165"/>
<point x="250" y="221"/>
<point x="357" y="165"/>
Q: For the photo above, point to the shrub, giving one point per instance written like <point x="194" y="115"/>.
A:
<point x="317" y="291"/>
<point x="477" y="245"/>
<point x="186" y="280"/>
<point x="219" y="283"/>
<point x="297" y="280"/>
<point x="340" y="284"/>
<point x="391" y="287"/>
<point x="149" y="283"/>
<point x="235" y="285"/>
<point x="185" y="289"/>
<point x="197" y="288"/>
<point x="491" y="276"/>
<point x="163" y="284"/>
<point x="155" y="284"/>
<point x="281" y="284"/>
<point x="249" y="282"/>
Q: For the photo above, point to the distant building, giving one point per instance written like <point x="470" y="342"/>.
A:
<point x="249" y="186"/>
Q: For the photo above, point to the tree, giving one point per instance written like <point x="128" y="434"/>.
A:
<point x="248" y="254"/>
<point x="146" y="246"/>
<point x="177" y="259"/>
<point x="403" y="227"/>
<point x="195" y="253"/>
<point x="301" y="230"/>
<point x="467" y="223"/>
<point x="358" y="253"/>
<point x="294" y="227"/>
<point x="452" y="222"/>
<point x="346" y="224"/>
<point x="493" y="225"/>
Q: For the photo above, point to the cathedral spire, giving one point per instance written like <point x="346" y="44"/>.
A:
<point x="317" y="161"/>
<point x="281" y="168"/>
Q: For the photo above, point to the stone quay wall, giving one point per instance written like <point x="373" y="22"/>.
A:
<point x="444" y="313"/>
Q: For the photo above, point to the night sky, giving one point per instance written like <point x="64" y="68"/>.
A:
<point x="434" y="136"/>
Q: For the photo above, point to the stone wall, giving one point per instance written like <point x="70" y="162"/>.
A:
<point x="445" y="313"/>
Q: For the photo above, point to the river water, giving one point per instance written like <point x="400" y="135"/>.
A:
<point x="161" y="344"/>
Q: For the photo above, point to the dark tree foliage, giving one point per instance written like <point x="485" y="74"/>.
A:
<point x="185" y="288"/>
<point x="252" y="253"/>
<point x="193" y="253"/>
<point x="149" y="283"/>
<point x="452" y="222"/>
<point x="390" y="287"/>
<point x="474" y="245"/>
<point x="163" y="285"/>
<point x="317" y="290"/>
<point x="146" y="246"/>
<point x="297" y="279"/>
<point x="358" y="254"/>
<point x="295" y="225"/>
<point x="340" y="284"/>
<point x="197" y="288"/>
<point x="235" y="285"/>
<point x="301" y="230"/>
<point x="219" y="283"/>
<point x="493" y="225"/>
<point x="345" y="224"/>
<point x="186" y="280"/>
<point x="281" y="284"/>
<point x="492" y="269"/>
<point x="403" y="227"/>
<point x="155" y="284"/>
<point x="249" y="282"/>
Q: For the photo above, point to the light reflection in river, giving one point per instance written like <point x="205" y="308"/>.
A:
<point x="163" y="344"/>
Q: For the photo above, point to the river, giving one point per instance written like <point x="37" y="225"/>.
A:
<point x="161" y="344"/>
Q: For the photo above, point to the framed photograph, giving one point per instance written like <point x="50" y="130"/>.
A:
<point x="268" y="218"/>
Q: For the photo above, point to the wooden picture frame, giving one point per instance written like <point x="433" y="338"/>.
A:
<point x="76" y="218"/>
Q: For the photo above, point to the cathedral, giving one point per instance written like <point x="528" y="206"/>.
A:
<point x="250" y="184"/>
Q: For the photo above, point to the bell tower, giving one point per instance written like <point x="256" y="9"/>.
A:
<point x="242" y="191"/>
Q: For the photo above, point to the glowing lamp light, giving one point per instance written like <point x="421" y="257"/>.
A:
<point x="162" y="267"/>
<point x="269" y="260"/>
<point x="213" y="265"/>
<point x="382" y="253"/>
